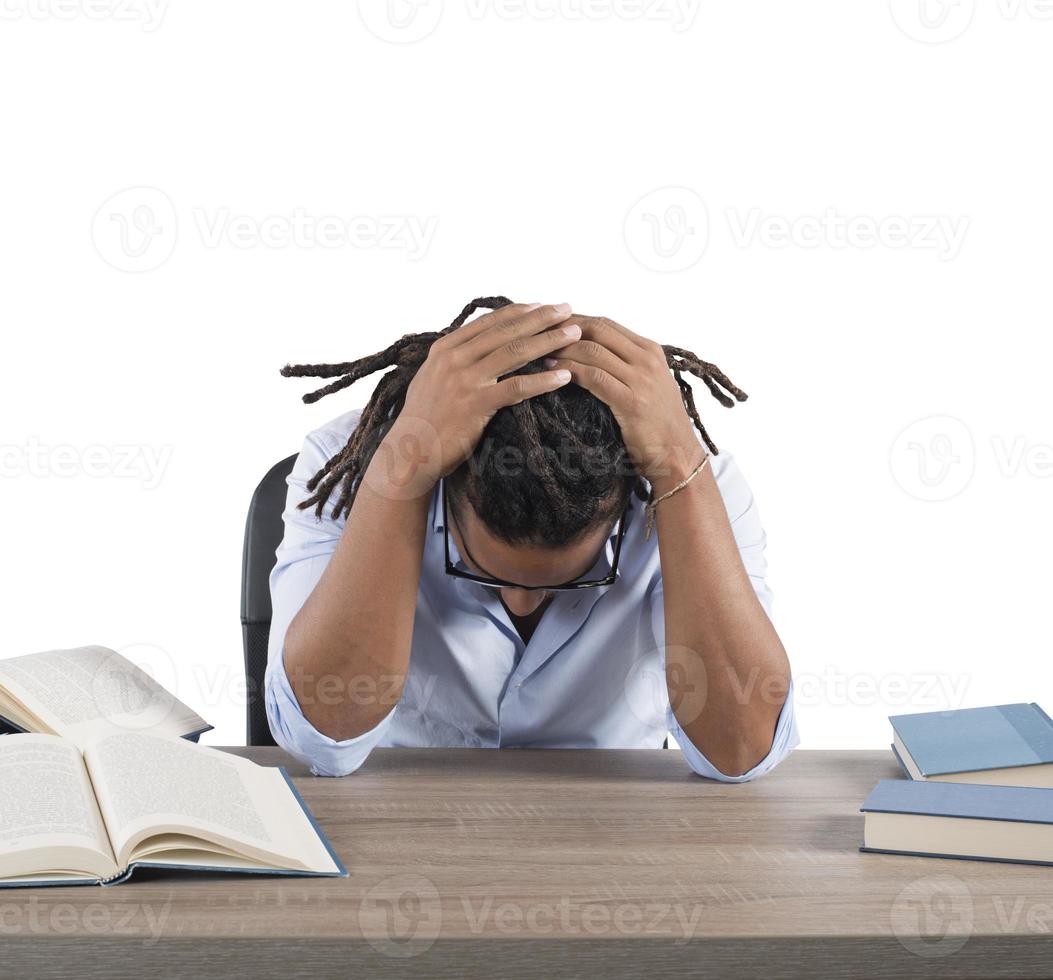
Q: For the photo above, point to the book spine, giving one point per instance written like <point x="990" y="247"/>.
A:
<point x="953" y="857"/>
<point x="1032" y="725"/>
<point x="902" y="765"/>
<point x="1038" y="708"/>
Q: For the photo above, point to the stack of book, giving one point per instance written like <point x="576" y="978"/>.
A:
<point x="100" y="774"/>
<point x="979" y="785"/>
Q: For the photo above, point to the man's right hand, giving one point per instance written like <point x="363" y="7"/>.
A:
<point x="357" y="623"/>
<point x="458" y="389"/>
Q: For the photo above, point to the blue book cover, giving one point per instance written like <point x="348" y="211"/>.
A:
<point x="1019" y="804"/>
<point x="976" y="739"/>
<point x="8" y="727"/>
<point x="1003" y="808"/>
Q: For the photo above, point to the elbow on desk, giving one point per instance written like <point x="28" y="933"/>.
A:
<point x="325" y="754"/>
<point x="740" y="761"/>
<point x="739" y="766"/>
<point x="740" y="755"/>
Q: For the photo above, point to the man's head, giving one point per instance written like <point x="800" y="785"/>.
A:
<point x="547" y="469"/>
<point x="540" y="493"/>
<point x="536" y="501"/>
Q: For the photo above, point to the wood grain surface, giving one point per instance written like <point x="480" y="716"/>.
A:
<point x="562" y="863"/>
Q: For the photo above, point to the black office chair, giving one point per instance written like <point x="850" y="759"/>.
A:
<point x="263" y="534"/>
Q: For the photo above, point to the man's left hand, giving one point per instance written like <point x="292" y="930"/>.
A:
<point x="631" y="375"/>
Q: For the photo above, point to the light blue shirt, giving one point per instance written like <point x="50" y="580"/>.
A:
<point x="592" y="675"/>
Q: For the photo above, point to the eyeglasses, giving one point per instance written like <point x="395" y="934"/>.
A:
<point x="497" y="583"/>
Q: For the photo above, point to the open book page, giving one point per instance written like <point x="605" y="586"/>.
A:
<point x="81" y="693"/>
<point x="49" y="819"/>
<point x="162" y="797"/>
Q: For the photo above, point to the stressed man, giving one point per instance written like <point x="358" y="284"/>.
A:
<point x="526" y="538"/>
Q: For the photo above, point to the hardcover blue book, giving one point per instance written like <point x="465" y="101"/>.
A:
<point x="133" y="800"/>
<point x="10" y="728"/>
<point x="78" y="693"/>
<point x="1008" y="744"/>
<point x="960" y="820"/>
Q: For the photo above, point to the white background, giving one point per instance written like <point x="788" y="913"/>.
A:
<point x="858" y="232"/>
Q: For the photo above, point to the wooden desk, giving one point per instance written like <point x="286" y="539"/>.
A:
<point x="556" y="864"/>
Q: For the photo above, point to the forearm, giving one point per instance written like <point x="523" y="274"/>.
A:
<point x="727" y="671"/>
<point x="354" y="632"/>
<point x="347" y="650"/>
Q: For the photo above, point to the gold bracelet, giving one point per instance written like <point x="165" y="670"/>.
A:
<point x="652" y="505"/>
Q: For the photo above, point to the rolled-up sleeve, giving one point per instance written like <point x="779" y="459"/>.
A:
<point x="302" y="557"/>
<point x="750" y="538"/>
<point x="782" y="744"/>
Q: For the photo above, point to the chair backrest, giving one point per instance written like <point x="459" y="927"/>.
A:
<point x="263" y="533"/>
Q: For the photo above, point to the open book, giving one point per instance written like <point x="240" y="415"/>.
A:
<point x="81" y="693"/>
<point x="133" y="800"/>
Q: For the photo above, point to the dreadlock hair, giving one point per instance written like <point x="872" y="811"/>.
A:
<point x="547" y="501"/>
